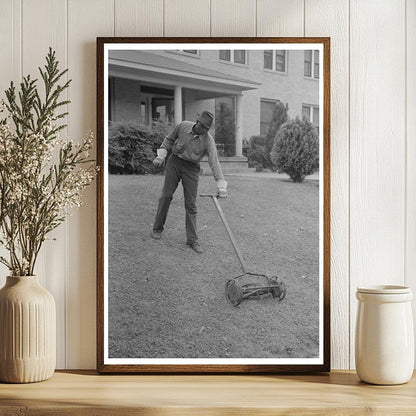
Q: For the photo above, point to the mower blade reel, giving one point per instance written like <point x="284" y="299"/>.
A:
<point x="233" y="292"/>
<point x="278" y="289"/>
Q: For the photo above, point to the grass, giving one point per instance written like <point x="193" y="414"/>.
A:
<point x="167" y="302"/>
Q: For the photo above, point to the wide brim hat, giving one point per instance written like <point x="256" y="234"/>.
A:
<point x="206" y="118"/>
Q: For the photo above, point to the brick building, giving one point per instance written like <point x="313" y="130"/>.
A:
<point x="175" y="85"/>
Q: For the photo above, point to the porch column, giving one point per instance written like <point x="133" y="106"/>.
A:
<point x="239" y="125"/>
<point x="140" y="105"/>
<point x="149" y="111"/>
<point x="178" y="104"/>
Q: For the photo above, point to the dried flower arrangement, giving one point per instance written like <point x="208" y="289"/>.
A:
<point x="41" y="174"/>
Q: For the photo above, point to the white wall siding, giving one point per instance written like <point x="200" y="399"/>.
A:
<point x="330" y="18"/>
<point x="373" y="132"/>
<point x="44" y="24"/>
<point x="86" y="21"/>
<point x="10" y="43"/>
<point x="377" y="146"/>
<point x="280" y="18"/>
<point x="138" y="17"/>
<point x="187" y="18"/>
<point x="10" y="64"/>
<point x="410" y="141"/>
<point x="233" y="17"/>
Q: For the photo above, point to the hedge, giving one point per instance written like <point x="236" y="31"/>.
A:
<point x="132" y="147"/>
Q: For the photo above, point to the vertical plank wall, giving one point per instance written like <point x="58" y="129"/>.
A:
<point x="10" y="43"/>
<point x="10" y="61"/>
<point x="373" y="128"/>
<point x="377" y="146"/>
<point x="185" y="18"/>
<point x="331" y="18"/>
<point x="44" y="25"/>
<point x="138" y="18"/>
<point x="233" y="18"/>
<point x="410" y="139"/>
<point x="86" y="21"/>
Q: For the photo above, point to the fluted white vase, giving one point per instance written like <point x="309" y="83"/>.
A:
<point x="27" y="331"/>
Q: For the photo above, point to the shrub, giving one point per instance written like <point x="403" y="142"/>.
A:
<point x="260" y="147"/>
<point x="224" y="129"/>
<point x="132" y="147"/>
<point x="279" y="118"/>
<point x="296" y="149"/>
<point x="257" y="153"/>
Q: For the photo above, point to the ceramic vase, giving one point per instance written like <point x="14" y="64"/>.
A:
<point x="27" y="331"/>
<point x="384" y="352"/>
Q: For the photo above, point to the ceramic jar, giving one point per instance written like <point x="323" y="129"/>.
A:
<point x="384" y="352"/>
<point x="27" y="331"/>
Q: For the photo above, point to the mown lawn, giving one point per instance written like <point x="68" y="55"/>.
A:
<point x="167" y="302"/>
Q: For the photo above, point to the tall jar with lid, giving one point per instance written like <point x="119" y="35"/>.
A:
<point x="384" y="343"/>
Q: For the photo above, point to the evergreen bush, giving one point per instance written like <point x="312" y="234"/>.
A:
<point x="132" y="147"/>
<point x="257" y="154"/>
<point x="279" y="118"/>
<point x="224" y="129"/>
<point x="296" y="149"/>
<point x="260" y="147"/>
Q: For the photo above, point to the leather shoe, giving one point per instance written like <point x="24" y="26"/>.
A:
<point x="157" y="235"/>
<point x="195" y="247"/>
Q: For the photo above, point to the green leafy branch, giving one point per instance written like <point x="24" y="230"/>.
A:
<point x="35" y="193"/>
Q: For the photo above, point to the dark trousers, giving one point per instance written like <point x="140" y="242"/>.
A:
<point x="176" y="170"/>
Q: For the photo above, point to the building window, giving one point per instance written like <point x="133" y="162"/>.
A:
<point x="281" y="61"/>
<point x="312" y="113"/>
<point x="311" y="64"/>
<point x="266" y="114"/>
<point x="191" y="51"/>
<point x="235" y="56"/>
<point x="308" y="64"/>
<point x="240" y="57"/>
<point x="316" y="64"/>
<point x="225" y="55"/>
<point x="268" y="60"/>
<point x="275" y="60"/>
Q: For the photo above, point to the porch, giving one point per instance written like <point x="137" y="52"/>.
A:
<point x="151" y="88"/>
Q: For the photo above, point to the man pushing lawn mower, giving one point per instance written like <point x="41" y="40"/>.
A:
<point x="189" y="142"/>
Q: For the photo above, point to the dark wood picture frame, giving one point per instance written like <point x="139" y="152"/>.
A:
<point x="105" y="367"/>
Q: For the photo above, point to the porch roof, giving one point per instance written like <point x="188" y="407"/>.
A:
<point x="150" y="67"/>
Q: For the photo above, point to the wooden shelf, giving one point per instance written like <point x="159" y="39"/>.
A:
<point x="86" y="393"/>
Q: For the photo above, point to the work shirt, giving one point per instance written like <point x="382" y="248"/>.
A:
<point x="185" y="144"/>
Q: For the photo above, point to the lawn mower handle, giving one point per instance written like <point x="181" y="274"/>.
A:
<point x="214" y="197"/>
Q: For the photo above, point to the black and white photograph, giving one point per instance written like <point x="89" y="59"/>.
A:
<point x="213" y="234"/>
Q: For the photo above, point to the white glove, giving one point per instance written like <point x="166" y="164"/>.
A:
<point x="158" y="161"/>
<point x="222" y="188"/>
<point x="160" y="158"/>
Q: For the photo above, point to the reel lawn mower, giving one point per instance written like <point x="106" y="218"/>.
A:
<point x="248" y="284"/>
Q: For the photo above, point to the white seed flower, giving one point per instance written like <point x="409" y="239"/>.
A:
<point x="38" y="189"/>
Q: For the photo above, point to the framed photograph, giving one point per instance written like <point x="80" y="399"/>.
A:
<point x="213" y="198"/>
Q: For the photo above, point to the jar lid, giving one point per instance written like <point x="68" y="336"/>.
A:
<point x="384" y="289"/>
